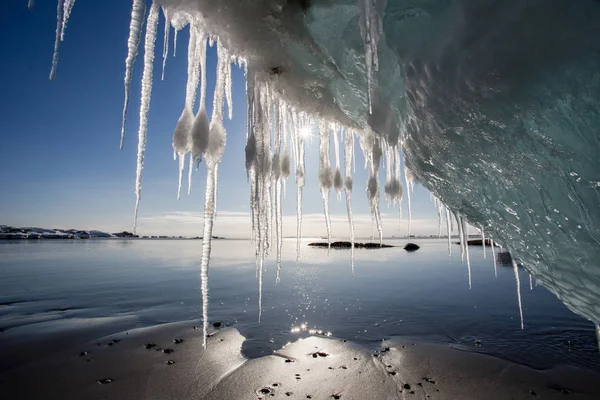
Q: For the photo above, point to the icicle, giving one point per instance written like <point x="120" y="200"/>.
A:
<point x="371" y="30"/>
<point x="31" y="4"/>
<point x="407" y="178"/>
<point x="175" y="43"/>
<point x="181" y="165"/>
<point x="466" y="244"/>
<point x="530" y="283"/>
<point x="325" y="176"/>
<point x="166" y="40"/>
<point x="484" y="244"/>
<point x="338" y="183"/>
<point x="135" y="32"/>
<point x="348" y="158"/>
<point x="190" y="170"/>
<point x="67" y="7"/>
<point x="201" y="128"/>
<point x="209" y="209"/>
<point x="214" y="155"/>
<point x="516" y="271"/>
<point x="494" y="257"/>
<point x="598" y="335"/>
<point x="228" y="95"/>
<point x="448" y="222"/>
<point x="145" y="102"/>
<point x="59" y="25"/>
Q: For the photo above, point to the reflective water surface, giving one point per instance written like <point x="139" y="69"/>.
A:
<point x="51" y="288"/>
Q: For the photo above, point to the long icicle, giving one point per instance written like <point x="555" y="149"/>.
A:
<point x="348" y="183"/>
<point x="145" y="103"/>
<point x="213" y="156"/>
<point x="165" y="41"/>
<point x="465" y="235"/>
<point x="135" y="32"/>
<point x="447" y="212"/>
<point x="518" y="281"/>
<point x="67" y="8"/>
<point x="59" y="25"/>
<point x="325" y="175"/>
<point x="494" y="257"/>
<point x="209" y="210"/>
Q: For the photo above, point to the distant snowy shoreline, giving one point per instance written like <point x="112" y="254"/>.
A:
<point x="34" y="233"/>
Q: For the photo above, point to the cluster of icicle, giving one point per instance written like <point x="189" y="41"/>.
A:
<point x="276" y="136"/>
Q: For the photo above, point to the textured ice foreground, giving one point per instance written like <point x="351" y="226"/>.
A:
<point x="493" y="103"/>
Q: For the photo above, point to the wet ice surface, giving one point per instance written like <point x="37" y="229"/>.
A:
<point x="73" y="290"/>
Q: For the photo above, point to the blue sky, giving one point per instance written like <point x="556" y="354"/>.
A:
<point x="60" y="163"/>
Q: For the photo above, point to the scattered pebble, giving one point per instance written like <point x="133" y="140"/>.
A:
<point x="148" y="346"/>
<point x="330" y="367"/>
<point x="217" y="324"/>
<point x="105" y="381"/>
<point x="406" y="386"/>
<point x="168" y="351"/>
<point x="419" y="384"/>
<point x="392" y="373"/>
<point x="288" y="393"/>
<point x="287" y="360"/>
<point x="477" y="342"/>
<point x="170" y="362"/>
<point x="83" y="354"/>
<point x="177" y="341"/>
<point x="354" y="358"/>
<point x="385" y="349"/>
<point x="412" y="392"/>
<point x="336" y="396"/>
<point x="308" y="396"/>
<point x="343" y="367"/>
<point x="275" y="384"/>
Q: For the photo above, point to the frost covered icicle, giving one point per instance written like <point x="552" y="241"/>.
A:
<point x="277" y="126"/>
<point x="166" y="40"/>
<point x="67" y="8"/>
<point x="298" y="147"/>
<point x="213" y="157"/>
<point x="325" y="175"/>
<point x="59" y="24"/>
<point x="530" y="282"/>
<point x="258" y="165"/>
<point x="348" y="158"/>
<point x="518" y="281"/>
<point x="484" y="244"/>
<point x="371" y="147"/>
<point x="598" y="335"/>
<point x="200" y="126"/>
<point x="393" y="186"/>
<point x="135" y="33"/>
<point x="494" y="258"/>
<point x="338" y="183"/>
<point x="408" y="180"/>
<point x="371" y="29"/>
<point x="448" y="229"/>
<point x="145" y="102"/>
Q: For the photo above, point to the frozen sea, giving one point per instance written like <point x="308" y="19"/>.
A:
<point x="55" y="293"/>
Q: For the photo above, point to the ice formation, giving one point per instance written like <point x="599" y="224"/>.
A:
<point x="503" y="137"/>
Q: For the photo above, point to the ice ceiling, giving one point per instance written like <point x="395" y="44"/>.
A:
<point x="494" y="105"/>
